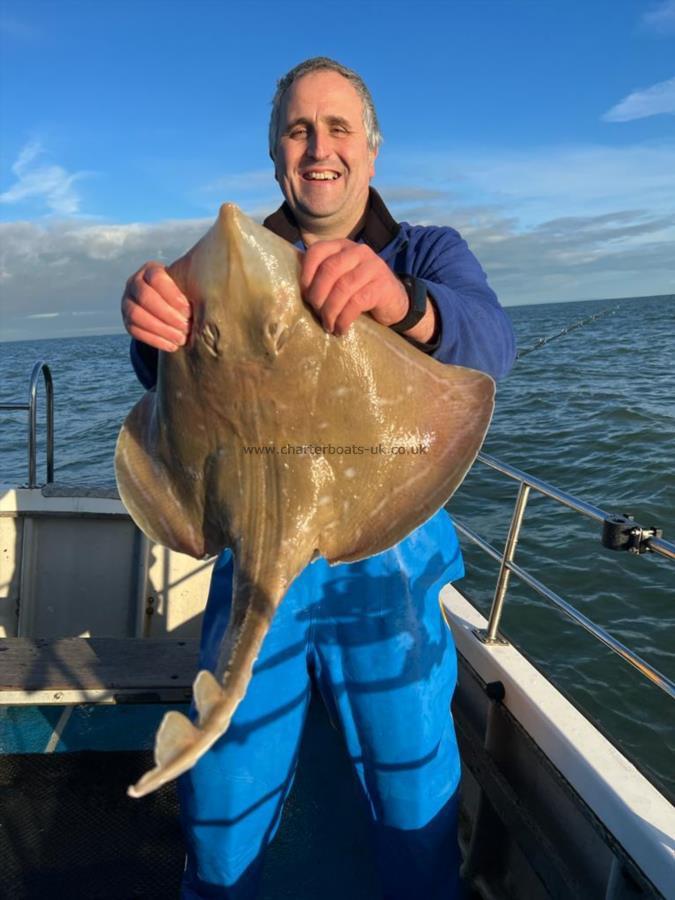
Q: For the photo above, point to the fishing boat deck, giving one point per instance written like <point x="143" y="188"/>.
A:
<point x="96" y="670"/>
<point x="70" y="830"/>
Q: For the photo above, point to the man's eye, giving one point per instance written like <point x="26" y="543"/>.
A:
<point x="298" y="133"/>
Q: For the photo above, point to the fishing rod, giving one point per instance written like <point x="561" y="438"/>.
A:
<point x="547" y="340"/>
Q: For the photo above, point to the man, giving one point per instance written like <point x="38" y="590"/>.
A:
<point x="368" y="635"/>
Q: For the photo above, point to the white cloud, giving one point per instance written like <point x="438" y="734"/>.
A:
<point x="627" y="253"/>
<point x="661" y="17"/>
<point x="656" y="100"/>
<point x="536" y="185"/>
<point x="48" y="184"/>
<point x="64" y="269"/>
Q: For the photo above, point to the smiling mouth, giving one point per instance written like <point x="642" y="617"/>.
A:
<point x="314" y="175"/>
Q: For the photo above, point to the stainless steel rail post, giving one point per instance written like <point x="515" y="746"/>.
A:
<point x="40" y="367"/>
<point x="490" y="636"/>
<point x="31" y="409"/>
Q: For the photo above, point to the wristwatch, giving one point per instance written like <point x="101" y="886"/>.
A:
<point x="417" y="295"/>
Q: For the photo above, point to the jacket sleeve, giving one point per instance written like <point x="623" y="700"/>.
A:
<point x="474" y="329"/>
<point x="144" y="360"/>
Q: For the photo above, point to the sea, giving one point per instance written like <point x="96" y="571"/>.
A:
<point x="591" y="410"/>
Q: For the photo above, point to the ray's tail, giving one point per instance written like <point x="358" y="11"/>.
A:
<point x="180" y="743"/>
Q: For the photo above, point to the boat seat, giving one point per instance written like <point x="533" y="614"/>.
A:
<point x="96" y="670"/>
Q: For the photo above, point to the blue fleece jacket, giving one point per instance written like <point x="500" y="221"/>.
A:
<point x="475" y="331"/>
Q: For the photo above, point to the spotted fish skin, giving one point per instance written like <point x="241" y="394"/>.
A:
<point x="269" y="436"/>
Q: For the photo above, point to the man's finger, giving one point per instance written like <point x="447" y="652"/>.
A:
<point x="153" y="340"/>
<point x="149" y="300"/>
<point x="140" y="318"/>
<point x="328" y="275"/>
<point x="156" y="276"/>
<point x="347" y="257"/>
<point x="315" y="255"/>
<point x="349" y="287"/>
<point x="348" y="316"/>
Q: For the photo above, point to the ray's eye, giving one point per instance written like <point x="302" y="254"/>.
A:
<point x="210" y="335"/>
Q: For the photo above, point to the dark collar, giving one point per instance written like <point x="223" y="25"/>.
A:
<point x="380" y="228"/>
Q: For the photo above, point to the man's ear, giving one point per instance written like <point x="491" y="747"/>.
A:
<point x="373" y="156"/>
<point x="274" y="163"/>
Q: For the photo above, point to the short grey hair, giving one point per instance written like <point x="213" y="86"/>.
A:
<point x="317" y="64"/>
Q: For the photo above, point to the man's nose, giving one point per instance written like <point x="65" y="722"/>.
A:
<point x="318" y="145"/>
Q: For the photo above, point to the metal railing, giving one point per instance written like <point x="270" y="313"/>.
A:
<point x="631" y="536"/>
<point x="40" y="368"/>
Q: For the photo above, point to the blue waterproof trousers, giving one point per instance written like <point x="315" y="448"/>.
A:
<point x="371" y="637"/>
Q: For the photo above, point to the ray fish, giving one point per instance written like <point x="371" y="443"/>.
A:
<point x="267" y="435"/>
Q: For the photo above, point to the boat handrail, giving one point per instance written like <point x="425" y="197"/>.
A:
<point x="619" y="533"/>
<point x="40" y="368"/>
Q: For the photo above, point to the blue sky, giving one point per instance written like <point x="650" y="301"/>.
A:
<point x="544" y="131"/>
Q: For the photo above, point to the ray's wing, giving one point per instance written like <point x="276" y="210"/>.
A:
<point x="147" y="487"/>
<point x="414" y="427"/>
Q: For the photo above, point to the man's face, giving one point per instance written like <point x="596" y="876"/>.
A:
<point x="323" y="163"/>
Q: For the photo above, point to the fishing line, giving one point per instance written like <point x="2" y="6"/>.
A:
<point x="547" y="340"/>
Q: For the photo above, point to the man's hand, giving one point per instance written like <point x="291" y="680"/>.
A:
<point x="341" y="279"/>
<point x="154" y="310"/>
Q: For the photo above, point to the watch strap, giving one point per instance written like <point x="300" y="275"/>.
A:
<point x="417" y="297"/>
